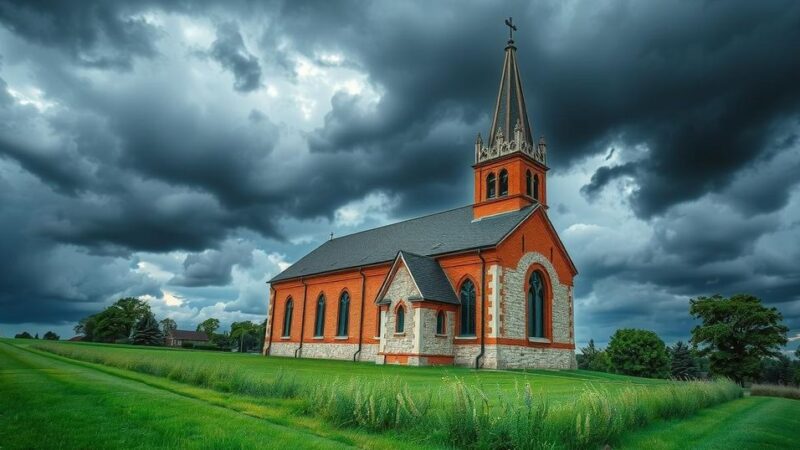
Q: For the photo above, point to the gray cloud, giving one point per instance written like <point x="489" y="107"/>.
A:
<point x="229" y="50"/>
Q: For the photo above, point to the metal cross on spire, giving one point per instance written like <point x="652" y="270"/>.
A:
<point x="511" y="29"/>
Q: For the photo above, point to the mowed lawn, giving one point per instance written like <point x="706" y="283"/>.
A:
<point x="47" y="402"/>
<point x="556" y="385"/>
<point x="749" y="423"/>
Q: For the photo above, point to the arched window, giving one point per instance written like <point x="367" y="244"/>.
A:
<point x="287" y="318"/>
<point x="400" y="321"/>
<point x="344" y="314"/>
<point x="319" y="323"/>
<point x="440" y="323"/>
<point x="536" y="187"/>
<point x="528" y="182"/>
<point x="467" y="296"/>
<point x="490" y="186"/>
<point x="536" y="305"/>
<point x="503" y="182"/>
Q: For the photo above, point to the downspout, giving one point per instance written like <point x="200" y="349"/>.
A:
<point x="361" y="317"/>
<point x="483" y="313"/>
<point x="302" y="318"/>
<point x="271" y="313"/>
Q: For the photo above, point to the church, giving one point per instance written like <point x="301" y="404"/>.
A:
<point x="487" y="285"/>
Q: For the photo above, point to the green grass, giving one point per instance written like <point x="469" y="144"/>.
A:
<point x="50" y="402"/>
<point x="749" y="423"/>
<point x="436" y="406"/>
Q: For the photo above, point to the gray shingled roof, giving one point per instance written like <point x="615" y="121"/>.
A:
<point x="430" y="278"/>
<point x="436" y="234"/>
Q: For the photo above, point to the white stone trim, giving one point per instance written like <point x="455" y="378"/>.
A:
<point x="494" y="299"/>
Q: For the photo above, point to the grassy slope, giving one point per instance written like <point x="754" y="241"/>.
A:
<point x="50" y="402"/>
<point x="753" y="422"/>
<point x="557" y="385"/>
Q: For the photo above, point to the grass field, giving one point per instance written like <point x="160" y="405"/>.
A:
<point x="80" y="404"/>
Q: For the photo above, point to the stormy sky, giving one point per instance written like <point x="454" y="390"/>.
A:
<point x="186" y="152"/>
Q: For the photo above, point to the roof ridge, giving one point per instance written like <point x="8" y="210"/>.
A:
<point x="397" y="223"/>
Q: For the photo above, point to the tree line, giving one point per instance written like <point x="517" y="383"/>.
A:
<point x="737" y="337"/>
<point x="130" y="321"/>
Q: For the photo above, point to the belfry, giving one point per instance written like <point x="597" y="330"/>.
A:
<point x="487" y="285"/>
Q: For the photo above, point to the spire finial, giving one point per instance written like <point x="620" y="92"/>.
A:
<point x="511" y="29"/>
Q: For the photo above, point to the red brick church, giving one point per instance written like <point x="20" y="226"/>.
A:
<point x="485" y="285"/>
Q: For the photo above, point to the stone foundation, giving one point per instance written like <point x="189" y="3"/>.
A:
<point x="325" y="351"/>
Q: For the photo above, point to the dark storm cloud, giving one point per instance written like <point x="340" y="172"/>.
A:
<point x="103" y="34"/>
<point x="213" y="267"/>
<point x="229" y="50"/>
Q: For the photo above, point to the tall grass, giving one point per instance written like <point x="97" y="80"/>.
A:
<point x="455" y="413"/>
<point x="775" y="390"/>
<point x="224" y="378"/>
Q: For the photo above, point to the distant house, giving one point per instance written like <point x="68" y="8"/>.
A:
<point x="77" y="338"/>
<point x="177" y="338"/>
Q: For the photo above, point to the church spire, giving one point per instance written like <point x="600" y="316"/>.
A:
<point x="510" y="131"/>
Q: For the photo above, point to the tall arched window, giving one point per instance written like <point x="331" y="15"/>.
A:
<point x="503" y="182"/>
<point x="491" y="187"/>
<point x="344" y="314"/>
<point x="536" y="187"/>
<point x="536" y="305"/>
<point x="441" y="328"/>
<point x="528" y="182"/>
<point x="400" y="319"/>
<point x="287" y="317"/>
<point x="467" y="296"/>
<point x="319" y="323"/>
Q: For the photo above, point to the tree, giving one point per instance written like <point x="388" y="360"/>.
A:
<point x="245" y="334"/>
<point x="736" y="334"/>
<point x="168" y="325"/>
<point x="23" y="335"/>
<point x="146" y="331"/>
<point x="593" y="358"/>
<point x="638" y="352"/>
<point x="114" y="323"/>
<point x="209" y="326"/>
<point x="50" y="336"/>
<point x="777" y="370"/>
<point x="683" y="362"/>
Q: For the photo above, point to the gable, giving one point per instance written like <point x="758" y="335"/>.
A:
<point x="399" y="285"/>
<point x="427" y="276"/>
<point x="538" y="234"/>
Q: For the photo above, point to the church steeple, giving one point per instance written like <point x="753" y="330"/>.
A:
<point x="510" y="130"/>
<point x="510" y="168"/>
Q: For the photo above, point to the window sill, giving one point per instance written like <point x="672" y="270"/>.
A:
<point x="400" y="334"/>
<point x="342" y="338"/>
<point x="318" y="338"/>
<point x="441" y="335"/>
<point x="466" y="337"/>
<point x="540" y="340"/>
<point x="285" y="338"/>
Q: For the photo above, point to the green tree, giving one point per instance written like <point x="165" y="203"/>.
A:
<point x="593" y="358"/>
<point x="114" y="323"/>
<point x="23" y="335"/>
<point x="245" y="334"/>
<point x="736" y="334"/>
<point x="168" y="325"/>
<point x="209" y="326"/>
<point x="683" y="361"/>
<point x="50" y="336"/>
<point x="146" y="331"/>
<point x="638" y="352"/>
